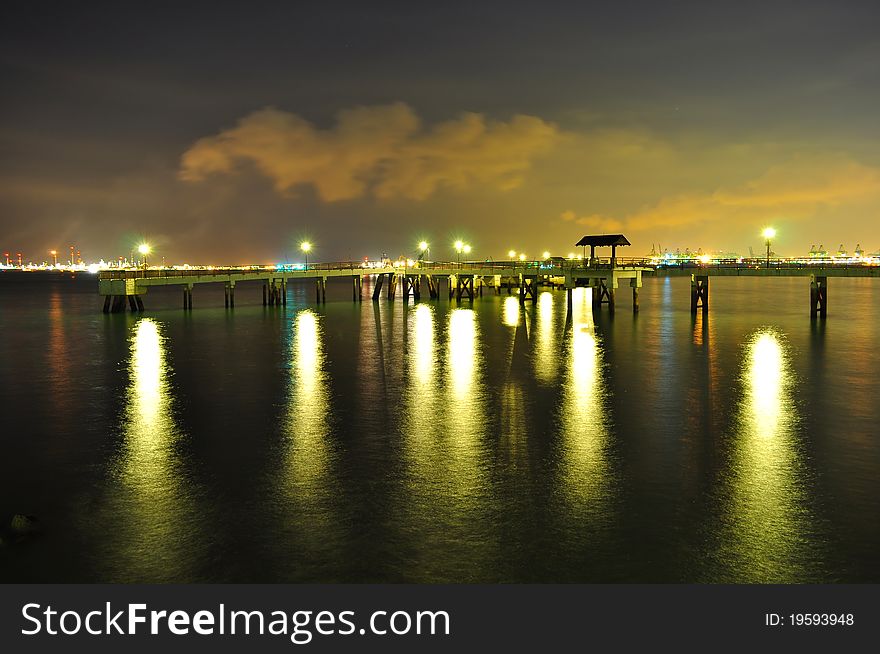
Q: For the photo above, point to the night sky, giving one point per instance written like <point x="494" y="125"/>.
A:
<point x="226" y="133"/>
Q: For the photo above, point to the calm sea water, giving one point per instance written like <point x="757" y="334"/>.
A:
<point x="439" y="442"/>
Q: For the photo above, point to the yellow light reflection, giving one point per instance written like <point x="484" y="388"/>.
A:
<point x="423" y="350"/>
<point x="154" y="506"/>
<point x="308" y="406"/>
<point x="511" y="312"/>
<point x="768" y="517"/>
<point x="585" y="432"/>
<point x="546" y="350"/>
<point x="462" y="353"/>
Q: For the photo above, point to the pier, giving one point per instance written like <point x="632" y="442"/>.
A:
<point x="467" y="280"/>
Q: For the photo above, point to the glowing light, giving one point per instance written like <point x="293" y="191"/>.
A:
<point x="704" y="258"/>
<point x="511" y="254"/>
<point x="769" y="232"/>
<point x="423" y="245"/>
<point x="522" y="257"/>
<point x="467" y="249"/>
<point x="305" y="246"/>
<point x="144" y="248"/>
<point x="459" y="246"/>
<point x="572" y="255"/>
<point x="546" y="255"/>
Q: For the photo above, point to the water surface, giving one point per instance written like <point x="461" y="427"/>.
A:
<point x="437" y="442"/>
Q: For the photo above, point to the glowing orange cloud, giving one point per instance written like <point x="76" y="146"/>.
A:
<point x="381" y="151"/>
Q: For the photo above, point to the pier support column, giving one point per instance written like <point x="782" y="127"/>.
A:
<point x="139" y="303"/>
<point x="392" y="286"/>
<point x="377" y="289"/>
<point x="818" y="296"/>
<point x="106" y="304"/>
<point x="283" y="291"/>
<point x="132" y="304"/>
<point x="265" y="293"/>
<point x="635" y="288"/>
<point x="452" y="280"/>
<point x="699" y="293"/>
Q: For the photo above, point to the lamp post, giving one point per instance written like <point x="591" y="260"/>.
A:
<point x="423" y="249"/>
<point x="306" y="247"/>
<point x="459" y="246"/>
<point x="144" y="249"/>
<point x="54" y="254"/>
<point x="769" y="233"/>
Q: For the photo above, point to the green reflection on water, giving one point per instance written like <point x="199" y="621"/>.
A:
<point x="766" y="524"/>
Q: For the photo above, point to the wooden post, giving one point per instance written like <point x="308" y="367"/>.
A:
<point x="226" y="296"/>
<point x="818" y="296"/>
<point x="318" y="290"/>
<point x="323" y="290"/>
<point x="232" y="296"/>
<point x="284" y="292"/>
<point x="635" y="299"/>
<point x="378" y="287"/>
<point x="106" y="304"/>
<point x="265" y="292"/>
<point x="139" y="302"/>
<point x="699" y="293"/>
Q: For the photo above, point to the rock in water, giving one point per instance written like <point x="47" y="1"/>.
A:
<point x="23" y="525"/>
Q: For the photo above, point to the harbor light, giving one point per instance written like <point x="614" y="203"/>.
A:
<point x="511" y="254"/>
<point x="768" y="233"/>
<point x="546" y="254"/>
<point x="144" y="249"/>
<point x="306" y="247"/>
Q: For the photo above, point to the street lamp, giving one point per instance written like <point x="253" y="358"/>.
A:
<point x="546" y="255"/>
<point x="144" y="249"/>
<point x="511" y="254"/>
<point x="459" y="246"/>
<point x="768" y="233"/>
<point x="306" y="247"/>
<point x="423" y="249"/>
<point x="522" y="256"/>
